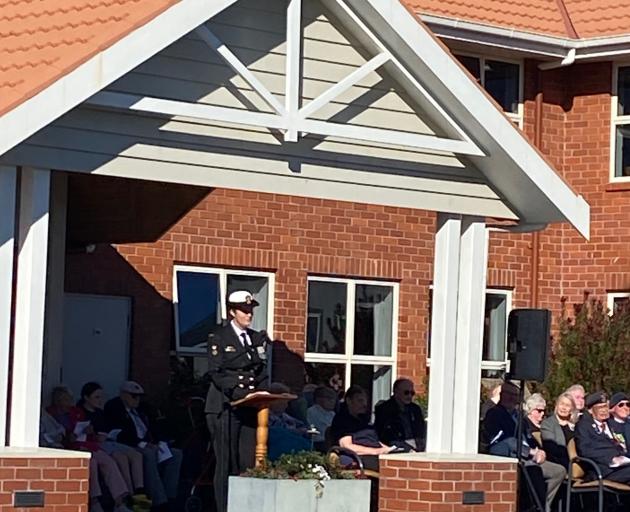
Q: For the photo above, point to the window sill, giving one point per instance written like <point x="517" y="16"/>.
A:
<point x="618" y="186"/>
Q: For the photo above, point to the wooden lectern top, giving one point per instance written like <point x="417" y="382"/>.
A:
<point x="261" y="399"/>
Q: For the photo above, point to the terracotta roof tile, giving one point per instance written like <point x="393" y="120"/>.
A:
<point x="596" y="18"/>
<point x="527" y="15"/>
<point x="42" y="40"/>
<point x="590" y="18"/>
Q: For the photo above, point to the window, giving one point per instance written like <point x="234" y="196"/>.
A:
<point x="494" y="349"/>
<point x="620" y="126"/>
<point x="503" y="81"/>
<point x="199" y="298"/>
<point x="616" y="301"/>
<point x="351" y="334"/>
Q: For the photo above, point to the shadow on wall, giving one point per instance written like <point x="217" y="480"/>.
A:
<point x="106" y="272"/>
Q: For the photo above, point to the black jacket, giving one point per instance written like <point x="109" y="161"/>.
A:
<point x="595" y="445"/>
<point x="234" y="370"/>
<point x="117" y="417"/>
<point x="622" y="432"/>
<point x="388" y="423"/>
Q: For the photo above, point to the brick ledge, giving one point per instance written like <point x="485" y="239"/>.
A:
<point x="449" y="457"/>
<point x="8" y="452"/>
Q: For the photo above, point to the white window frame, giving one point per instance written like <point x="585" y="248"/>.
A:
<point x="222" y="273"/>
<point x="348" y="358"/>
<point x="616" y="120"/>
<point x="610" y="300"/>
<point x="518" y="116"/>
<point x="494" y="365"/>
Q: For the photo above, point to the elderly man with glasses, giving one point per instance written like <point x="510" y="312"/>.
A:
<point x="596" y="440"/>
<point x="618" y="422"/>
<point x="399" y="421"/>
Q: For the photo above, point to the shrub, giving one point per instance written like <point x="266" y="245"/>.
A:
<point x="591" y="350"/>
<point x="302" y="465"/>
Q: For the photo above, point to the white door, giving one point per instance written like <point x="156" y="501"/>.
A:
<point x="96" y="341"/>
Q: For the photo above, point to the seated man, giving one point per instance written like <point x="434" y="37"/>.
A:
<point x="320" y="415"/>
<point x="595" y="440"/>
<point x="618" y="422"/>
<point x="286" y="433"/>
<point x="399" y="421"/>
<point x="499" y="431"/>
<point x="161" y="463"/>
<point x="351" y="428"/>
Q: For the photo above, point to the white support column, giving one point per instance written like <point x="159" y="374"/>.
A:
<point x="53" y="316"/>
<point x="29" y="307"/>
<point x="443" y="334"/>
<point x="473" y="262"/>
<point x="293" y="65"/>
<point x="8" y="182"/>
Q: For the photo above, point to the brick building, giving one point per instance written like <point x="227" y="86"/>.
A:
<point x="337" y="238"/>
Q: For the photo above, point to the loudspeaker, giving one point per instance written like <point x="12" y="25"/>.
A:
<point x="528" y="343"/>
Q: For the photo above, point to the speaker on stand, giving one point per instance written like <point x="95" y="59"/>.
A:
<point x="528" y="336"/>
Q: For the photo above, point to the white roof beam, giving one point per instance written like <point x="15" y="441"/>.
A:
<point x="241" y="69"/>
<point x="339" y="88"/>
<point x="293" y="67"/>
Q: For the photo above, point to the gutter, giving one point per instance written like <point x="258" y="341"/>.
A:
<point x="562" y="48"/>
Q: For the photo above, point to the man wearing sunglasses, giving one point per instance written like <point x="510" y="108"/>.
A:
<point x="399" y="421"/>
<point x="618" y="422"/>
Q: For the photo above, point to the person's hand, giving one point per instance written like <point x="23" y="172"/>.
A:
<point x="384" y="449"/>
<point x="618" y="460"/>
<point x="540" y="456"/>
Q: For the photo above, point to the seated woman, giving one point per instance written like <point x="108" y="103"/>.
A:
<point x="351" y="428"/>
<point x="286" y="433"/>
<point x="128" y="459"/>
<point x="558" y="429"/>
<point x="67" y="415"/>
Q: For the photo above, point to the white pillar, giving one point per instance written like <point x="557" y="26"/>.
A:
<point x="8" y="179"/>
<point x="473" y="262"/>
<point x="30" y="294"/>
<point x="443" y="340"/>
<point x="459" y="282"/>
<point x="53" y="319"/>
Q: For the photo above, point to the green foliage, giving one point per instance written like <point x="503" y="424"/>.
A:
<point x="302" y="465"/>
<point x="592" y="350"/>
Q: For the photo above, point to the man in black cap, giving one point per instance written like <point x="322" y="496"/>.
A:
<point x="618" y="422"/>
<point x="237" y="366"/>
<point x="595" y="440"/>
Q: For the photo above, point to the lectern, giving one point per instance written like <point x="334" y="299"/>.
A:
<point x="261" y="400"/>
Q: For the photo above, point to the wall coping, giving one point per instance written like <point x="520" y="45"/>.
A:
<point x="10" y="452"/>
<point x="476" y="458"/>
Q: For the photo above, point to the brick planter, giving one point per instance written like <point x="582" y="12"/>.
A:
<point x="437" y="483"/>
<point x="62" y="475"/>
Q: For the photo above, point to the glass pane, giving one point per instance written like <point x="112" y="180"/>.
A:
<point x="374" y="310"/>
<point x="471" y="64"/>
<point x="198" y="308"/>
<point x="327" y="374"/>
<point x="622" y="152"/>
<point x="376" y="380"/>
<point x="259" y="287"/>
<point x="620" y="304"/>
<point x="492" y="374"/>
<point x="494" y="332"/>
<point x="623" y="91"/>
<point x="501" y="82"/>
<point x="326" y="322"/>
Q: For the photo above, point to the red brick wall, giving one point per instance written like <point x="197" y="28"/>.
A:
<point x="64" y="481"/>
<point x="422" y="485"/>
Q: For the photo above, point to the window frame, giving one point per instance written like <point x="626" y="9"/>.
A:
<point x="615" y="121"/>
<point x="223" y="273"/>
<point x="493" y="365"/>
<point x="348" y="358"/>
<point x="610" y="300"/>
<point x="518" y="116"/>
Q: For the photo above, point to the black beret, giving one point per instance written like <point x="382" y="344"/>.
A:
<point x="618" y="397"/>
<point x="595" y="398"/>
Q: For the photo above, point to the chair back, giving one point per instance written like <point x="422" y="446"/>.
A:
<point x="576" y="470"/>
<point x="537" y="435"/>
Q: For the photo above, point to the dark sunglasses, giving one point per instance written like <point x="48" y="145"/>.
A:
<point x="623" y="404"/>
<point x="539" y="410"/>
<point x="135" y="395"/>
<point x="409" y="392"/>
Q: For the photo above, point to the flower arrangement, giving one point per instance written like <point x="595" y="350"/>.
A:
<point x="304" y="465"/>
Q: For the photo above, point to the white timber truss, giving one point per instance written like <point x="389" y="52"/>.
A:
<point x="291" y="119"/>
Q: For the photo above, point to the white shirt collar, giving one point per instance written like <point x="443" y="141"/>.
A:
<point x="237" y="329"/>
